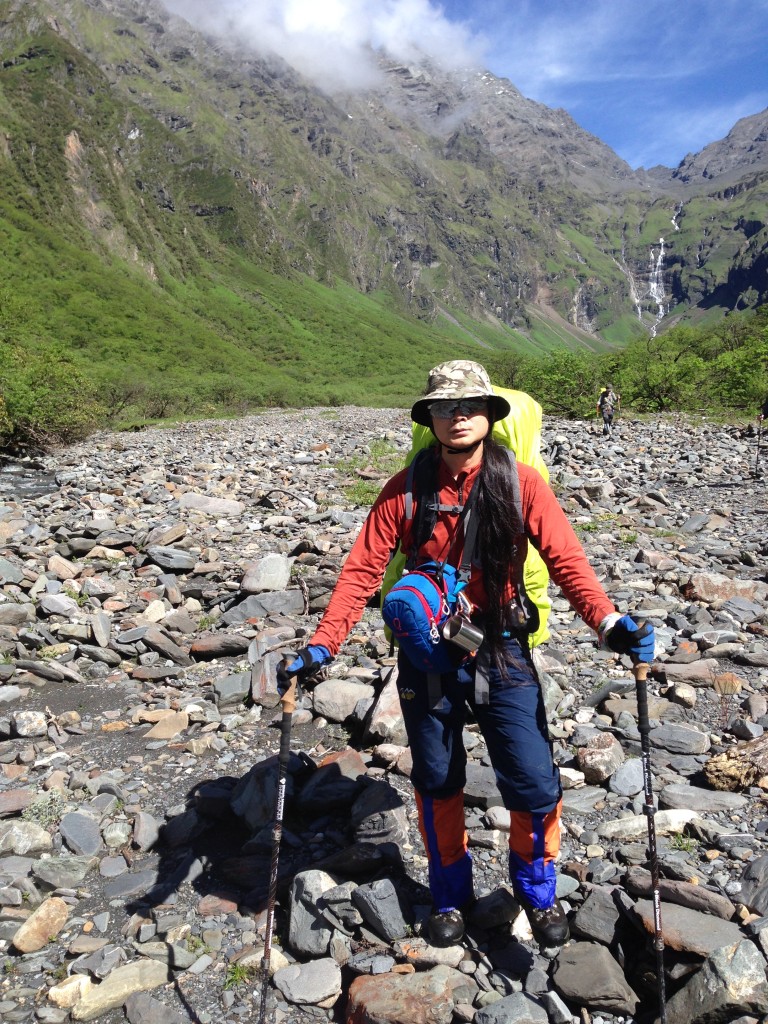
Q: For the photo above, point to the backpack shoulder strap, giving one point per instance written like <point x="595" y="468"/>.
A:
<point x="521" y="605"/>
<point x="420" y="481"/>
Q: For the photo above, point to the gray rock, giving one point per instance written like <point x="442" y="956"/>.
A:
<point x="258" y="606"/>
<point x="146" y="830"/>
<point x="688" y="930"/>
<point x="518" y="1008"/>
<point x="171" y="559"/>
<point x="10" y="572"/>
<point x="142" y="1008"/>
<point x="58" y="604"/>
<point x="176" y="955"/>
<point x="232" y="689"/>
<point x="63" y="872"/>
<point x="137" y="883"/>
<point x="582" y="800"/>
<point x="270" y="572"/>
<point x="679" y="739"/>
<point x="310" y="983"/>
<point x="80" y="831"/>
<point x="382" y="908"/>
<point x="253" y="798"/>
<point x="308" y="933"/>
<point x="143" y="975"/>
<point x="12" y="614"/>
<point x="338" y="907"/>
<point x="379" y="816"/>
<point x="754" y="885"/>
<point x="335" y="699"/>
<point x="481" y="789"/>
<point x="587" y="974"/>
<point x="598" y="917"/>
<point x="731" y="982"/>
<point x="211" y="505"/>
<point x="102" y="962"/>
<point x="29" y="723"/>
<point x="627" y="780"/>
<point x="695" y="798"/>
<point x="23" y="837"/>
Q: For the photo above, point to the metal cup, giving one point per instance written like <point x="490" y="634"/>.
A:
<point x="463" y="633"/>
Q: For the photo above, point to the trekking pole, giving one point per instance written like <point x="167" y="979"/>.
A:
<point x="759" y="439"/>
<point x="288" y="702"/>
<point x="640" y="672"/>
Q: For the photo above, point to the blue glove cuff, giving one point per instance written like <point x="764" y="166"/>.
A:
<point x="308" y="659"/>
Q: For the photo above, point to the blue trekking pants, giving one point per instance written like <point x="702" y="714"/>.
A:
<point x="513" y="723"/>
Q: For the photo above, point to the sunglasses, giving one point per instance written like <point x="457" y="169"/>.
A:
<point x="464" y="407"/>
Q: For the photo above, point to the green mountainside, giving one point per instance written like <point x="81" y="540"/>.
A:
<point x="196" y="227"/>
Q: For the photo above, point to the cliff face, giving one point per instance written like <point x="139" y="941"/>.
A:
<point x="439" y="191"/>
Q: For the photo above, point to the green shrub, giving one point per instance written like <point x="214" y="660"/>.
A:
<point x="46" y="399"/>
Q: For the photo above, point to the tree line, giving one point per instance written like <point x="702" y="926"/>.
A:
<point x="47" y="397"/>
<point x="719" y="370"/>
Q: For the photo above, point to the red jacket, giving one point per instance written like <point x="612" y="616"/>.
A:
<point x="545" y="523"/>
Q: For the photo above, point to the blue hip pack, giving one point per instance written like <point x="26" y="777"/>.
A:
<point x="417" y="608"/>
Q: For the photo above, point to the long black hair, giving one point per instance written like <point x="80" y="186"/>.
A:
<point x="499" y="533"/>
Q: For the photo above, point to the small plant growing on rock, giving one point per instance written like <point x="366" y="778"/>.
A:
<point x="195" y="944"/>
<point x="727" y="686"/>
<point x="46" y="810"/>
<point x="237" y="974"/>
<point x="77" y="596"/>
<point x="680" y="841"/>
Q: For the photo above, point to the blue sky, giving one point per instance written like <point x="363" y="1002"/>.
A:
<point x="655" y="79"/>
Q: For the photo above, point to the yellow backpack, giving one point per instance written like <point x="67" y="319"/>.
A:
<point x="520" y="431"/>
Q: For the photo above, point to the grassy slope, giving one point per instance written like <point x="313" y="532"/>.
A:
<point x="204" y="308"/>
<point x="180" y="236"/>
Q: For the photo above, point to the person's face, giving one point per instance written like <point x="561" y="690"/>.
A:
<point x="460" y="423"/>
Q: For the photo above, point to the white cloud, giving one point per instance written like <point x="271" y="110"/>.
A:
<point x="333" y="41"/>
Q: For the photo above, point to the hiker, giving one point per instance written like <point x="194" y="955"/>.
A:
<point x="606" y="404"/>
<point x="499" y="682"/>
<point x="763" y="414"/>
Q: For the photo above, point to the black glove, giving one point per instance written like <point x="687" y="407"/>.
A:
<point x="309" y="659"/>
<point x="305" y="661"/>
<point x="624" y="636"/>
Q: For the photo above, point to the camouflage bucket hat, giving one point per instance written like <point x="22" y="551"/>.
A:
<point x="459" y="378"/>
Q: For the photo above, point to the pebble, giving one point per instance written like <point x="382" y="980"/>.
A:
<point x="145" y="602"/>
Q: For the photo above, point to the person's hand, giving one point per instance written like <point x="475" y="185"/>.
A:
<point x="308" y="660"/>
<point x="624" y="636"/>
<point x="305" y="661"/>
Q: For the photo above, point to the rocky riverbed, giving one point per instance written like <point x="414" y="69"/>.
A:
<point x="144" y="604"/>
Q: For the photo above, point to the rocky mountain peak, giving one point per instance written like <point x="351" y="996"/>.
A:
<point x="745" y="148"/>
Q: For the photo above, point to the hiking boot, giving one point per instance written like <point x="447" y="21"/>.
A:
<point x="549" y="926"/>
<point x="446" y="928"/>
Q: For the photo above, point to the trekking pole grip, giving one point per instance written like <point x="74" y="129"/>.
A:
<point x="640" y="672"/>
<point x="288" y="699"/>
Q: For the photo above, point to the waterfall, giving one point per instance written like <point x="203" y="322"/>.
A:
<point x="656" y="284"/>
<point x="634" y="297"/>
<point x="675" y="215"/>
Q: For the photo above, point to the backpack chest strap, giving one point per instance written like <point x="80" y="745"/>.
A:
<point x="436" y="506"/>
